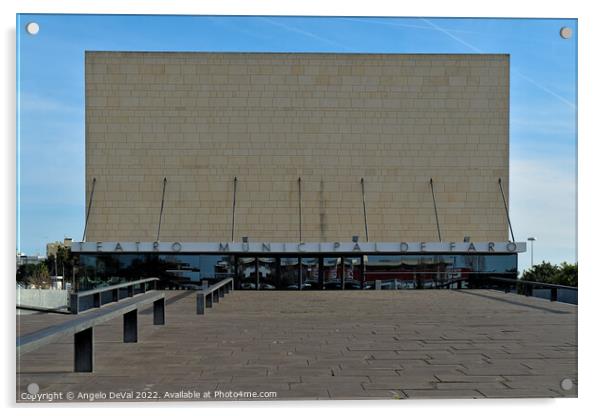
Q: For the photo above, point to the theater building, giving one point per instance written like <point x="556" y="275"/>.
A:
<point x="296" y="170"/>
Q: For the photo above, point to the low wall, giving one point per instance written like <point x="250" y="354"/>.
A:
<point x="43" y="298"/>
<point x="564" y="295"/>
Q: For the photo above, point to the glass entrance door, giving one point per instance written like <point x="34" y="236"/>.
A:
<point x="310" y="273"/>
<point x="300" y="273"/>
<point x="332" y="272"/>
<point x="342" y="273"/>
<point x="289" y="273"/>
<point x="268" y="271"/>
<point x="352" y="273"/>
<point x="247" y="273"/>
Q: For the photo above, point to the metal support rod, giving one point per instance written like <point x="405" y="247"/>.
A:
<point x="89" y="208"/>
<point x="300" y="235"/>
<point x="233" y="208"/>
<point x="435" y="205"/>
<point x="506" y="207"/>
<point x="299" y="274"/>
<point x="342" y="273"/>
<point x="161" y="213"/>
<point x="256" y="273"/>
<point x="365" y="216"/>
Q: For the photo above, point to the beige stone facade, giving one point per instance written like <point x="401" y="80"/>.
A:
<point x="201" y="119"/>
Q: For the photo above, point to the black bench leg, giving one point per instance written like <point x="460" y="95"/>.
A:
<point x="216" y="297"/>
<point x="130" y="291"/>
<point x="97" y="302"/>
<point x="200" y="304"/>
<point x="209" y="300"/>
<point x="159" y="312"/>
<point x="83" y="343"/>
<point x="220" y="291"/>
<point x="74" y="303"/>
<point x="130" y="326"/>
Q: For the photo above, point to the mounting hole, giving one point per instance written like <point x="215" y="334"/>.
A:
<point x="566" y="384"/>
<point x="32" y="28"/>
<point x="33" y="388"/>
<point x="566" y="32"/>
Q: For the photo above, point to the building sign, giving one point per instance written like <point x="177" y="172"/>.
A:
<point x="298" y="248"/>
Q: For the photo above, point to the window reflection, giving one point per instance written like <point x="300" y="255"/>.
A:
<point x="247" y="273"/>
<point x="268" y="273"/>
<point x="188" y="271"/>
<point x="175" y="271"/>
<point x="352" y="273"/>
<point x="184" y="270"/>
<point x="333" y="270"/>
<point x="310" y="273"/>
<point x="498" y="264"/>
<point x="289" y="273"/>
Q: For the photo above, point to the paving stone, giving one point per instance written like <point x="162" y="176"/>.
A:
<point x="350" y="344"/>
<point x="443" y="394"/>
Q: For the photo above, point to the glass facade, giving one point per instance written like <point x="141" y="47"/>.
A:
<point x="268" y="273"/>
<point x="309" y="272"/>
<point x="176" y="271"/>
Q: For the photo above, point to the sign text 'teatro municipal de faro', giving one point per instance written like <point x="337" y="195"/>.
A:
<point x="299" y="248"/>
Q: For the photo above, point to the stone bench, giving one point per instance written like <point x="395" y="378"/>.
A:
<point x="82" y="328"/>
<point x="207" y="297"/>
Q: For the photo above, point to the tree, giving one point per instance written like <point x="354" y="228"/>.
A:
<point x="61" y="263"/>
<point x="64" y="260"/>
<point x="40" y="278"/>
<point x="566" y="275"/>
<point x="24" y="272"/>
<point x="542" y="273"/>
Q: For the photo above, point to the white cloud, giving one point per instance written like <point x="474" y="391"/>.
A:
<point x="543" y="198"/>
<point x="34" y="102"/>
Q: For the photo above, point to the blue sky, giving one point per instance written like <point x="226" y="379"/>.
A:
<point x="543" y="92"/>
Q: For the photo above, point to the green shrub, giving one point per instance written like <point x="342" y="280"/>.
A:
<point x="565" y="274"/>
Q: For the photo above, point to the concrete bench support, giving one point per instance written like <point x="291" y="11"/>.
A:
<point x="159" y="312"/>
<point x="209" y="295"/>
<point x="83" y="343"/>
<point x="97" y="300"/>
<point x="114" y="293"/>
<point x="130" y="326"/>
<point x="200" y="304"/>
<point x="82" y="328"/>
<point x="74" y="303"/>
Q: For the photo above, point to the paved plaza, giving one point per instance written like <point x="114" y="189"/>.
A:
<point x="324" y="345"/>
